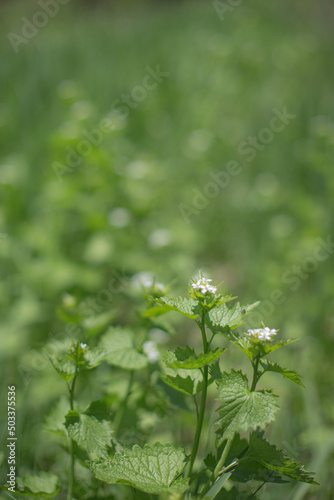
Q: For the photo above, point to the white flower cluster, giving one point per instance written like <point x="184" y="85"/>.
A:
<point x="82" y="345"/>
<point x="202" y="284"/>
<point x="263" y="333"/>
<point x="151" y="351"/>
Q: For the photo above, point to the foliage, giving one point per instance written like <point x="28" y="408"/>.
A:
<point x="96" y="434"/>
<point x="113" y="221"/>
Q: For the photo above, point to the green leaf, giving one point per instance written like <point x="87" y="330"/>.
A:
<point x="225" y="317"/>
<point x="187" y="385"/>
<point x="72" y="358"/>
<point x="217" y="486"/>
<point x="271" y="458"/>
<point x="258" y="348"/>
<point x="153" y="469"/>
<point x="234" y="494"/>
<point x="54" y="420"/>
<point x="240" y="408"/>
<point x="42" y="485"/>
<point x="99" y="410"/>
<point x="187" y="359"/>
<point x="89" y="433"/>
<point x="187" y="307"/>
<point x="214" y="370"/>
<point x="187" y="381"/>
<point x="118" y="345"/>
<point x="152" y="312"/>
<point x="289" y="374"/>
<point x="96" y="324"/>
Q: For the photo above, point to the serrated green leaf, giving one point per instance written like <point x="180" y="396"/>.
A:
<point x="42" y="485"/>
<point x="187" y="385"/>
<point x="89" y="433"/>
<point x="65" y="367"/>
<point x="258" y="348"/>
<point x="187" y="359"/>
<point x="153" y="469"/>
<point x="184" y="380"/>
<point x="289" y="374"/>
<point x="187" y="307"/>
<point x="241" y="408"/>
<point x="247" y="470"/>
<point x="119" y="348"/>
<point x="99" y="410"/>
<point x="210" y="461"/>
<point x="73" y="357"/>
<point x="225" y="317"/>
<point x="267" y="455"/>
<point x="214" y="370"/>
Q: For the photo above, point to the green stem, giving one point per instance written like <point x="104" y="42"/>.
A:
<point x="219" y="466"/>
<point x="71" y="479"/>
<point x="72" y="391"/>
<point x="255" y="375"/>
<point x="196" y="406"/>
<point x="223" y="458"/>
<point x="71" y="444"/>
<point x="123" y="406"/>
<point x="201" y="413"/>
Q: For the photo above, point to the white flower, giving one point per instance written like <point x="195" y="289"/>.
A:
<point x="82" y="345"/>
<point x="263" y="333"/>
<point x="151" y="351"/>
<point x="202" y="284"/>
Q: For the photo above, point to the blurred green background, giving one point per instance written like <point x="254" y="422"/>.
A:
<point x="138" y="200"/>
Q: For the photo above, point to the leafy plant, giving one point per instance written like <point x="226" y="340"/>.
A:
<point x="152" y="469"/>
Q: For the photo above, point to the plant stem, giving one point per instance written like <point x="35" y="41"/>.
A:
<point x="255" y="377"/>
<point x="219" y="466"/>
<point x="71" y="479"/>
<point x="201" y="413"/>
<point x="196" y="406"/>
<point x="123" y="405"/>
<point x="223" y="458"/>
<point x="72" y="391"/>
<point x="71" y="444"/>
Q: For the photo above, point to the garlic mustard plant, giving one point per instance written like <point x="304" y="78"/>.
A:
<point x="148" y="433"/>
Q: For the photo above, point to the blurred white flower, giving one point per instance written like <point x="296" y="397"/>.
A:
<point x="263" y="333"/>
<point x="137" y="169"/>
<point x="69" y="300"/>
<point x="82" y="345"/>
<point x="151" y="351"/>
<point x="159" y="238"/>
<point x="81" y="109"/>
<point x="159" y="336"/>
<point x="119" y="217"/>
